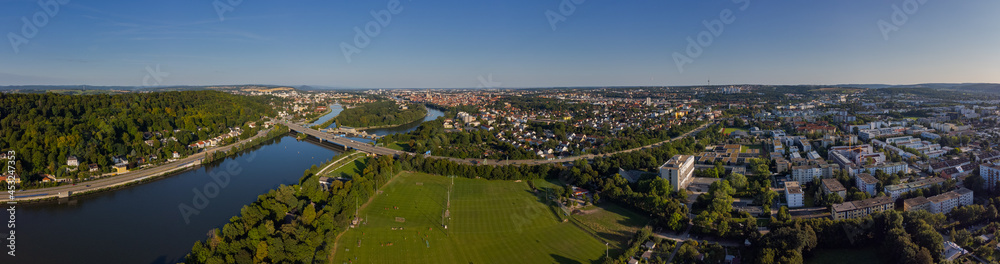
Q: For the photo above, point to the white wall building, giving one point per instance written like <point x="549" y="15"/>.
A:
<point x="678" y="170"/>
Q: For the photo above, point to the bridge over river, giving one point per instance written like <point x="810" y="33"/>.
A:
<point x="348" y="144"/>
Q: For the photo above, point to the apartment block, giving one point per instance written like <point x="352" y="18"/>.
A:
<point x="678" y="170"/>
<point x="897" y="190"/>
<point x="866" y="183"/>
<point x="793" y="194"/>
<point x="862" y="208"/>
<point x="833" y="186"/>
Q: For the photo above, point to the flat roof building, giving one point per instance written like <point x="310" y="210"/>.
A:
<point x="897" y="190"/>
<point x="862" y="208"/>
<point x="866" y="183"/>
<point x="833" y="186"/>
<point x="990" y="174"/>
<point x="678" y="171"/>
<point x="916" y="203"/>
<point x="793" y="194"/>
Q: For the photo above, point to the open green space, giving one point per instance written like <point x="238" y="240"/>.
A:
<point x="853" y="256"/>
<point x="490" y="222"/>
<point x="351" y="168"/>
<point x="399" y="146"/>
<point x="612" y="222"/>
<point x="729" y="130"/>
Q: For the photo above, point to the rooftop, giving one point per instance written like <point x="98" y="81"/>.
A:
<point x="833" y="185"/>
<point x="862" y="204"/>
<point x="915" y="184"/>
<point x="867" y="178"/>
<point x="916" y="201"/>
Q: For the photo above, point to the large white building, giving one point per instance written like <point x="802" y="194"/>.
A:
<point x="678" y="170"/>
<point x="866" y="183"/>
<point x="888" y="168"/>
<point x="793" y="194"/>
<point x="897" y="190"/>
<point x="943" y="203"/>
<point x="806" y="174"/>
<point x="990" y="174"/>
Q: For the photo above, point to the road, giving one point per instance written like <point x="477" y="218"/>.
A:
<point x="125" y="178"/>
<point x="366" y="147"/>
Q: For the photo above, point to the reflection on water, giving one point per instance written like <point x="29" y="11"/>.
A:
<point x="335" y="110"/>
<point x="143" y="223"/>
<point x="431" y="115"/>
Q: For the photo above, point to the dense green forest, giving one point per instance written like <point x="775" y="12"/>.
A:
<point x="382" y="113"/>
<point x="293" y="224"/>
<point x="44" y="129"/>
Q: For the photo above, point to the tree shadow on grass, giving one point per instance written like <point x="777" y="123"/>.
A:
<point x="563" y="260"/>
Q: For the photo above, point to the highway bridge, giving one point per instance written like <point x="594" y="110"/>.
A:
<point x="369" y="148"/>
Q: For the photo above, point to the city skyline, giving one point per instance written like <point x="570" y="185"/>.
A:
<point x="455" y="44"/>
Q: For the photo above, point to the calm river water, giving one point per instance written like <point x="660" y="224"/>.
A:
<point x="144" y="223"/>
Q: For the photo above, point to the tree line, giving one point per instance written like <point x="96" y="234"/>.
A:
<point x="293" y="224"/>
<point x="380" y="113"/>
<point x="47" y="128"/>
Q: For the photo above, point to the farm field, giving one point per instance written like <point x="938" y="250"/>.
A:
<point x="490" y="222"/>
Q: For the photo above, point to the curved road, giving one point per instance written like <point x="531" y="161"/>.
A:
<point x="366" y="147"/>
<point x="125" y="178"/>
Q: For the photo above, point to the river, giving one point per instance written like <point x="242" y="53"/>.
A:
<point x="144" y="224"/>
<point x="335" y="110"/>
<point x="406" y="128"/>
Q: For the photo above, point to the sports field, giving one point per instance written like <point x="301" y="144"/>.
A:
<point x="490" y="222"/>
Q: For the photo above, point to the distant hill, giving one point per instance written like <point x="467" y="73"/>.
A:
<point x="972" y="87"/>
<point x="87" y="89"/>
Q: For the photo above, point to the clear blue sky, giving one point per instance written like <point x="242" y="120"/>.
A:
<point x="452" y="43"/>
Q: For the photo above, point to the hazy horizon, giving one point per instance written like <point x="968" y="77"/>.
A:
<point x="508" y="44"/>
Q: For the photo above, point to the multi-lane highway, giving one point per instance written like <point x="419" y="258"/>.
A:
<point x="367" y="147"/>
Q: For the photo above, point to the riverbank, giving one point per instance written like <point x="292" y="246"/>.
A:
<point x="378" y="114"/>
<point x="50" y="194"/>
<point x="313" y="120"/>
<point x="426" y="114"/>
<point x="109" y="218"/>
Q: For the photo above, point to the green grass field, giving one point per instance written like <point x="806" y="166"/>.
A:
<point x="351" y="169"/>
<point x="399" y="146"/>
<point x="729" y="130"/>
<point x="853" y="256"/>
<point x="491" y="222"/>
<point x="612" y="222"/>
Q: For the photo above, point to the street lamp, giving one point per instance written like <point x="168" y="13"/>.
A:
<point x="607" y="250"/>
